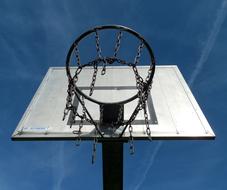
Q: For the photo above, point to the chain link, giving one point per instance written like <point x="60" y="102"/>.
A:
<point x="65" y="113"/>
<point x="139" y="84"/>
<point x="76" y="51"/>
<point x="81" y="121"/>
<point x="97" y="44"/>
<point x="99" y="51"/>
<point x="75" y="77"/>
<point x="93" y="158"/>
<point x="73" y="117"/>
<point x="71" y="92"/>
<point x="83" y="117"/>
<point x="118" y="43"/>
<point x="148" y="130"/>
<point x="93" y="80"/>
<point x="131" y="140"/>
<point x="142" y="93"/>
<point x="138" y="55"/>
<point x="69" y="99"/>
<point x="103" y="72"/>
<point x="149" y="73"/>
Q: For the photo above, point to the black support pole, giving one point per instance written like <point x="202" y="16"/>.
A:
<point x="112" y="157"/>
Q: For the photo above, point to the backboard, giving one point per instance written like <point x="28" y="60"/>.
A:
<point x="173" y="112"/>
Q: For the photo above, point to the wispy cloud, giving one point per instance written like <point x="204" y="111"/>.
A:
<point x="14" y="67"/>
<point x="149" y="165"/>
<point x="221" y="14"/>
<point x="59" y="168"/>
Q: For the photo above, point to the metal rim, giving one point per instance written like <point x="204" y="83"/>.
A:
<point x="105" y="27"/>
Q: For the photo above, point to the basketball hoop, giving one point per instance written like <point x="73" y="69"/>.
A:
<point x="143" y="85"/>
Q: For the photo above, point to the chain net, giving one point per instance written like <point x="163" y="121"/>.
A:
<point x="143" y="87"/>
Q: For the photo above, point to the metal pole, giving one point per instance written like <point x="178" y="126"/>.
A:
<point x="112" y="157"/>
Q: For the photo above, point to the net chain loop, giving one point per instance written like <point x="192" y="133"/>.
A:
<point x="131" y="147"/>
<point x="143" y="95"/>
<point x="76" y="51"/>
<point x="118" y="43"/>
<point x="99" y="52"/>
<point x="94" y="147"/>
<point x="93" y="79"/>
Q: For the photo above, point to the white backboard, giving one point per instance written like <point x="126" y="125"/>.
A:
<point x="173" y="111"/>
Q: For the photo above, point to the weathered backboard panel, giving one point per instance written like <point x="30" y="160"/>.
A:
<point x="173" y="111"/>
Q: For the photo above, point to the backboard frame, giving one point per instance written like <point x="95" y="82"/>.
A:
<point x="19" y="135"/>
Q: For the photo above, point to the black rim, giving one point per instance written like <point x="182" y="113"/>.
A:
<point x="105" y="27"/>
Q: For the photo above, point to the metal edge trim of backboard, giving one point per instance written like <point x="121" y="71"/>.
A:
<point x="36" y="95"/>
<point x="71" y="138"/>
<point x="194" y="103"/>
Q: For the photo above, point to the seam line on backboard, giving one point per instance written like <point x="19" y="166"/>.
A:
<point x="173" y="120"/>
<point x="206" y="131"/>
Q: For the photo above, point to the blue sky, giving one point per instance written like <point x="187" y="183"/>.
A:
<point x="35" y="35"/>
